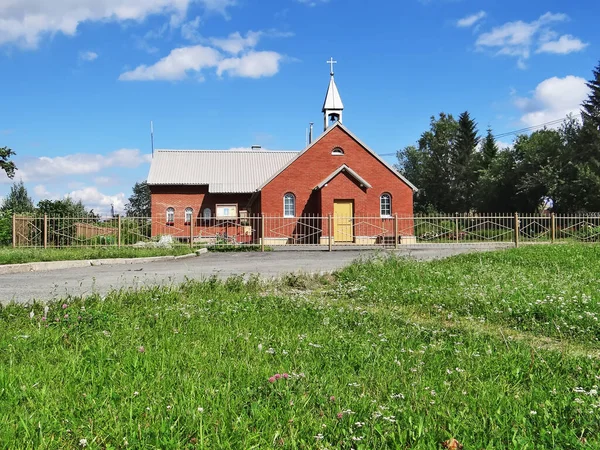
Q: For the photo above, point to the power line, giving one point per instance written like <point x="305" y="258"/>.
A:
<point x="509" y="133"/>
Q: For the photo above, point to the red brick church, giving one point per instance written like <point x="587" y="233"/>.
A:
<point x="200" y="194"/>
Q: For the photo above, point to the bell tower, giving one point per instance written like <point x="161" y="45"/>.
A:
<point x="333" y="106"/>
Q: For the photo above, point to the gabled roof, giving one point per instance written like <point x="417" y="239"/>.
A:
<point x="224" y="171"/>
<point x="333" y="100"/>
<point x="327" y="131"/>
<point x="343" y="168"/>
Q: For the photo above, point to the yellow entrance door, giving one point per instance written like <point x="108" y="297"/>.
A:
<point x="342" y="221"/>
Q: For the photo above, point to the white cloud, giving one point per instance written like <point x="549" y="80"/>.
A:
<point x="235" y="43"/>
<point x="471" y="20"/>
<point x="104" y="181"/>
<point x="101" y="203"/>
<point x="40" y="191"/>
<point x="553" y="99"/>
<point x="25" y="22"/>
<point x="176" y="65"/>
<point x="244" y="62"/>
<point x="312" y="3"/>
<point x="517" y="38"/>
<point x="45" y="168"/>
<point x="189" y="30"/>
<point x="88" y="56"/>
<point x="564" y="45"/>
<point x="252" y="65"/>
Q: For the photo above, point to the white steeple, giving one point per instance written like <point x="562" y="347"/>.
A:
<point x="333" y="106"/>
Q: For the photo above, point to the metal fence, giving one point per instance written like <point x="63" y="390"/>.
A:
<point x="326" y="231"/>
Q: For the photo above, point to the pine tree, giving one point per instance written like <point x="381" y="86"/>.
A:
<point x="18" y="200"/>
<point x="591" y="107"/>
<point x="139" y="203"/>
<point x="489" y="149"/>
<point x="5" y="163"/>
<point x="463" y="164"/>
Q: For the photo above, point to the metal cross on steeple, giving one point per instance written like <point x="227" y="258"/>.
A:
<point x="331" y="62"/>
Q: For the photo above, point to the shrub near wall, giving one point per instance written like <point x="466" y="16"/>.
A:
<point x="5" y="228"/>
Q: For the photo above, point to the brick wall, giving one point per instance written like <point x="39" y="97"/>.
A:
<point x="181" y="197"/>
<point x="315" y="165"/>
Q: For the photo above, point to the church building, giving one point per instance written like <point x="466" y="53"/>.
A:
<point x="198" y="193"/>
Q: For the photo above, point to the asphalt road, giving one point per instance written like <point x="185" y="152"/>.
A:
<point x="56" y="284"/>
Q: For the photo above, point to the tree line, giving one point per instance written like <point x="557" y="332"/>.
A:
<point x="457" y="171"/>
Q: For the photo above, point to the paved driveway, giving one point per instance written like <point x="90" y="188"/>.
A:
<point x="26" y="287"/>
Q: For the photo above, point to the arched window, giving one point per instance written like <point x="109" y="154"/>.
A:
<point x="289" y="205"/>
<point x="206" y="214"/>
<point x="188" y="215"/>
<point x="337" y="151"/>
<point x="385" y="205"/>
<point x="170" y="216"/>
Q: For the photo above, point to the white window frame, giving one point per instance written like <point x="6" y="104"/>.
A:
<point x="337" y="151"/>
<point x="170" y="214"/>
<point x="382" y="205"/>
<point x="188" y="211"/>
<point x="291" y="196"/>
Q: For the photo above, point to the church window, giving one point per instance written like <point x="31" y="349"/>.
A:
<point x="337" y="151"/>
<point x="289" y="205"/>
<point x="206" y="214"/>
<point x="385" y="205"/>
<point x="170" y="216"/>
<point x="188" y="215"/>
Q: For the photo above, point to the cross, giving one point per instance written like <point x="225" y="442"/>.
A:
<point x="332" y="62"/>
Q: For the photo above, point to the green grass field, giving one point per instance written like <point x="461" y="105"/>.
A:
<point x="26" y="255"/>
<point x="496" y="350"/>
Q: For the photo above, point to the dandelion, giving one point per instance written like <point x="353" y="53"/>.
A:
<point x="83" y="442"/>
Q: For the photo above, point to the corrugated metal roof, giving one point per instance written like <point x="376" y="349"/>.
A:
<point x="224" y="171"/>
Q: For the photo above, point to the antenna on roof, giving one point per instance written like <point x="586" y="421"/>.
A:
<point x="152" y="137"/>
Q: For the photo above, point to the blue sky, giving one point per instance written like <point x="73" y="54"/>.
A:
<point x="82" y="79"/>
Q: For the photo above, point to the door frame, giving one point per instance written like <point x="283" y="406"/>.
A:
<point x="351" y="202"/>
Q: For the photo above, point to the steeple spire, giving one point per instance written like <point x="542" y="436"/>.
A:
<point x="333" y="106"/>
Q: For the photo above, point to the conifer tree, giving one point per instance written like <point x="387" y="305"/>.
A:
<point x="464" y="164"/>
<point x="591" y="107"/>
<point x="489" y="149"/>
<point x="18" y="200"/>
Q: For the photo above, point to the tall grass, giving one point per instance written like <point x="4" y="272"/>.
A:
<point x="366" y="360"/>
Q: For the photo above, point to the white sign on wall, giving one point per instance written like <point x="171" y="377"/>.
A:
<point x="226" y="211"/>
